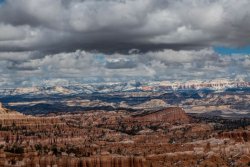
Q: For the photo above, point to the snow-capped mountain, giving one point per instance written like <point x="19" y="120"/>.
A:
<point x="219" y="84"/>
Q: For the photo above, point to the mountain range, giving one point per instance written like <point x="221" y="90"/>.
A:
<point x="132" y="86"/>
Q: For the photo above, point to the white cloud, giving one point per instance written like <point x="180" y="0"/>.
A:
<point x="82" y="66"/>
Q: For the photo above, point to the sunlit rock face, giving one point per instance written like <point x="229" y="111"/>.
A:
<point x="2" y="109"/>
<point x="7" y="115"/>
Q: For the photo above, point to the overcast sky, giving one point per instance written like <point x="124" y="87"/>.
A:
<point x="120" y="40"/>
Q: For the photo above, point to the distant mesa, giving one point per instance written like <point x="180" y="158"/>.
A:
<point x="170" y="115"/>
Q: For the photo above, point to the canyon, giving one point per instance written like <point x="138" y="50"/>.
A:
<point x="147" y="138"/>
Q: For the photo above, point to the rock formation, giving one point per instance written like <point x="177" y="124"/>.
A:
<point x="101" y="161"/>
<point x="6" y="114"/>
<point x="2" y="109"/>
<point x="162" y="138"/>
<point x="170" y="115"/>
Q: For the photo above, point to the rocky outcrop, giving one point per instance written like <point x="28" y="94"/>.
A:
<point x="6" y="114"/>
<point x="5" y="111"/>
<point x="170" y="115"/>
<point x="2" y="109"/>
<point x="241" y="136"/>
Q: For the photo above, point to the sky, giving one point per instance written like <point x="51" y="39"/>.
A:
<point x="62" y="41"/>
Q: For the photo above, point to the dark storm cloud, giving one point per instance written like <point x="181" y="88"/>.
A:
<point x="119" y="25"/>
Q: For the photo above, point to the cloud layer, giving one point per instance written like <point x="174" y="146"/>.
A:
<point x="98" y="40"/>
<point x="111" y="25"/>
<point x="82" y="66"/>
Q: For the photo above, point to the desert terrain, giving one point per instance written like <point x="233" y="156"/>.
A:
<point x="160" y="138"/>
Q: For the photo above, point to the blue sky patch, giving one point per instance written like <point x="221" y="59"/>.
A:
<point x="230" y="51"/>
<point x="2" y="1"/>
